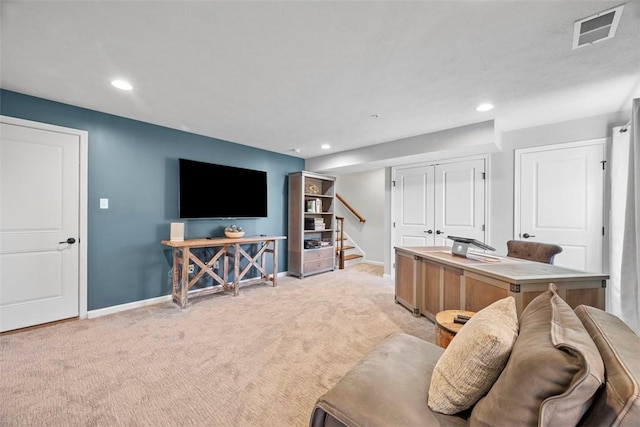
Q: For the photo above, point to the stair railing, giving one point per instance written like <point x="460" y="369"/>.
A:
<point x="351" y="209"/>
<point x="340" y="239"/>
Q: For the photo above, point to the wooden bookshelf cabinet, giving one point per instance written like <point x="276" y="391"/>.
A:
<point x="311" y="223"/>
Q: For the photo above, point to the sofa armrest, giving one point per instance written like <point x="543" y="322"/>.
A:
<point x="618" y="402"/>
<point x="389" y="387"/>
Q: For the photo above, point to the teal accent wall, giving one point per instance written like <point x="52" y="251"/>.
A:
<point x="135" y="165"/>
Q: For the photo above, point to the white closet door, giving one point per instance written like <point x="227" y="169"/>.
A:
<point x="559" y="199"/>
<point x="460" y="201"/>
<point x="434" y="201"/>
<point x="413" y="210"/>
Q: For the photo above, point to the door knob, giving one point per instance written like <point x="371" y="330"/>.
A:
<point x="429" y="231"/>
<point x="527" y="235"/>
<point x="438" y="232"/>
<point x="70" y="241"/>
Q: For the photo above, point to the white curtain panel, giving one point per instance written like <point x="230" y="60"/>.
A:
<point x="619" y="167"/>
<point x="624" y="285"/>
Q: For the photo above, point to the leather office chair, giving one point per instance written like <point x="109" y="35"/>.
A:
<point x="534" y="251"/>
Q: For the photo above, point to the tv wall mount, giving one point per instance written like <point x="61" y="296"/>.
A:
<point x="461" y="245"/>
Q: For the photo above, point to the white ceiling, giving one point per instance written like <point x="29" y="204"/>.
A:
<point x="293" y="75"/>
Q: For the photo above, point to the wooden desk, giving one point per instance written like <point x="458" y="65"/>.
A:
<point x="226" y="250"/>
<point x="430" y="279"/>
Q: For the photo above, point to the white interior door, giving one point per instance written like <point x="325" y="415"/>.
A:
<point x="413" y="209"/>
<point x="39" y="211"/>
<point x="559" y="199"/>
<point x="459" y="201"/>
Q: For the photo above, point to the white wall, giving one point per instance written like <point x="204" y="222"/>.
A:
<point x="369" y="192"/>
<point x="364" y="191"/>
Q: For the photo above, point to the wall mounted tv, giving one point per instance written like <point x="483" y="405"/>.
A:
<point x="207" y="190"/>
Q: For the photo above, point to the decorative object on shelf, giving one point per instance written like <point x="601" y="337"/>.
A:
<point x="311" y="188"/>
<point x="233" y="232"/>
<point x="314" y="205"/>
<point x="177" y="231"/>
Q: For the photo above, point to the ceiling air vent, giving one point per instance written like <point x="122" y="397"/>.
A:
<point x="596" y="28"/>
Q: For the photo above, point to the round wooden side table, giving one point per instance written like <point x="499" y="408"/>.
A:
<point x="446" y="328"/>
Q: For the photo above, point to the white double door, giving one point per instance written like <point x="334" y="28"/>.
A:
<point x="432" y="202"/>
<point x="39" y="224"/>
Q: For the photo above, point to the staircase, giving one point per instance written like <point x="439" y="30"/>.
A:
<point x="346" y="248"/>
<point x="342" y="249"/>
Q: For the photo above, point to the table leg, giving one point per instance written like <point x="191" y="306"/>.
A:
<point x="236" y="269"/>
<point x="274" y="271"/>
<point x="263" y="260"/>
<point x="184" y="278"/>
<point x="175" y="273"/>
<point x="225" y="268"/>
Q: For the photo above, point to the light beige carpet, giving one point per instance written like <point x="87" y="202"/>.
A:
<point x="259" y="359"/>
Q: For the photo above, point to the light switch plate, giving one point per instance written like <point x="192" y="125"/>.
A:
<point x="104" y="203"/>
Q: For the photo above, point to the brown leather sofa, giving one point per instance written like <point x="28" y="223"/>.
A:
<point x="390" y="386"/>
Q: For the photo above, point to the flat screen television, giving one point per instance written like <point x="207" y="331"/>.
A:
<point x="208" y="190"/>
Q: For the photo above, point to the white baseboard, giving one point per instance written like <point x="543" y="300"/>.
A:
<point x="91" y="314"/>
<point x="137" y="304"/>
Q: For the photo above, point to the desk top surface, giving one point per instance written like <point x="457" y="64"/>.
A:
<point x="219" y="241"/>
<point x="513" y="270"/>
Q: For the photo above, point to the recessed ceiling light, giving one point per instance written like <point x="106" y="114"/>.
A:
<point x="325" y="146"/>
<point x="375" y="116"/>
<point x="121" y="84"/>
<point x="484" y="107"/>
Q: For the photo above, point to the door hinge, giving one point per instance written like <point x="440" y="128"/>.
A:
<point x="394" y="224"/>
<point x="484" y="175"/>
<point x="483" y="227"/>
<point x="604" y="162"/>
<point x="603" y="230"/>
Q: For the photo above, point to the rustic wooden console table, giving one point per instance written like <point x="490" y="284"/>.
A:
<point x="430" y="279"/>
<point x="225" y="250"/>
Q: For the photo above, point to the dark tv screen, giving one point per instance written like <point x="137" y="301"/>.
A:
<point x="209" y="190"/>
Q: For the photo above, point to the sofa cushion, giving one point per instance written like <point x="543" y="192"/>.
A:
<point x="474" y="358"/>
<point x="552" y="374"/>
<point x="386" y="388"/>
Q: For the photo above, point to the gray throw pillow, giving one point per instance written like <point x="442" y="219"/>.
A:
<point x="552" y="374"/>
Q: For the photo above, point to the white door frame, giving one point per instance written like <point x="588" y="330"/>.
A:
<point x="83" y="137"/>
<point x="487" y="198"/>
<point x="516" y="186"/>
